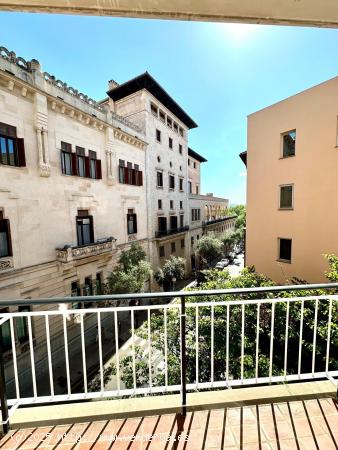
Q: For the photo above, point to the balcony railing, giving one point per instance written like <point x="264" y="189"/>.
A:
<point x="212" y="221"/>
<point x="70" y="253"/>
<point x="160" y="234"/>
<point x="183" y="313"/>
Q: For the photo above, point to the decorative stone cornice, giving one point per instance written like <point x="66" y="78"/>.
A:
<point x="69" y="253"/>
<point x="125" y="137"/>
<point x="126" y="122"/>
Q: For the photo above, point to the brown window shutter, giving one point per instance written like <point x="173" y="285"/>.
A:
<point x="87" y="166"/>
<point x="21" y="152"/>
<point x="98" y="169"/>
<point x="126" y="175"/>
<point x="74" y="164"/>
<point x="133" y="177"/>
<point x="140" y="178"/>
<point x="135" y="223"/>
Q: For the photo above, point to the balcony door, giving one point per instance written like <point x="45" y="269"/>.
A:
<point x="162" y="224"/>
<point x="84" y="228"/>
<point x="173" y="222"/>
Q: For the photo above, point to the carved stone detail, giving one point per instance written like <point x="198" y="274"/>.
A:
<point x="6" y="263"/>
<point x="126" y="122"/>
<point x="69" y="253"/>
<point x="125" y="137"/>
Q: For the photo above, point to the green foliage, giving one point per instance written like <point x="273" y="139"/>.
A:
<point x="209" y="248"/>
<point x="95" y="383"/>
<point x="240" y="212"/>
<point x="332" y="274"/>
<point x="131" y="273"/>
<point x="174" y="267"/>
<point x="228" y="239"/>
<point x="248" y="278"/>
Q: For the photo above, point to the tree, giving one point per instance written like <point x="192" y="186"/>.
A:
<point x="131" y="273"/>
<point x="209" y="248"/>
<point x="228" y="239"/>
<point x="240" y="212"/>
<point x="173" y="268"/>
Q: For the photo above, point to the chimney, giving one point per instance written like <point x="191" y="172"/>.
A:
<point x="112" y="84"/>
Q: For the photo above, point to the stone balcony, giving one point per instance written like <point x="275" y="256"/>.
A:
<point x="71" y="253"/>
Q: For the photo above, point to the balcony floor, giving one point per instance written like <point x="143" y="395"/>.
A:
<point x="308" y="424"/>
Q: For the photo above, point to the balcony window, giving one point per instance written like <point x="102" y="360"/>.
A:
<point x="285" y="247"/>
<point x="173" y="222"/>
<point x="80" y="161"/>
<point x="131" y="222"/>
<point x="158" y="135"/>
<point x="12" y="150"/>
<point x="5" y="237"/>
<point x="84" y="228"/>
<point x="171" y="182"/>
<point x="21" y="324"/>
<point x="162" y="251"/>
<point x="66" y="158"/>
<point x="173" y="247"/>
<point x="162" y="224"/>
<point x="181" y="221"/>
<point x="181" y="184"/>
<point x="289" y="143"/>
<point x="286" y="197"/>
<point x="6" y="333"/>
<point x="195" y="214"/>
<point x="159" y="179"/>
<point x="170" y="143"/>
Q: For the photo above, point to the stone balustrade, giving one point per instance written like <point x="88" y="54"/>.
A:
<point x="71" y="253"/>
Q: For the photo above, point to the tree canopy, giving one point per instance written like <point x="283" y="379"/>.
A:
<point x="209" y="248"/>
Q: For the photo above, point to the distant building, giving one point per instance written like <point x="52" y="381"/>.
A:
<point x="292" y="185"/>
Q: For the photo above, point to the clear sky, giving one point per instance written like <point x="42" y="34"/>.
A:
<point x="218" y="73"/>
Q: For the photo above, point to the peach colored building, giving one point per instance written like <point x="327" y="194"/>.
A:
<point x="292" y="185"/>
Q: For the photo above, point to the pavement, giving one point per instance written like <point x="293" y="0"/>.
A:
<point x="236" y="267"/>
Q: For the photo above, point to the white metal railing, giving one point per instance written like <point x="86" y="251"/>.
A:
<point x="209" y="326"/>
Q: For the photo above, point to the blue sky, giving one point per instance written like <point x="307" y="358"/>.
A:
<point x="219" y="73"/>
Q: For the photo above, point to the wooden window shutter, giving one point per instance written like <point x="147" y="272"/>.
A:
<point x="135" y="222"/>
<point x="140" y="178"/>
<point x="87" y="166"/>
<point x="98" y="169"/>
<point x="126" y="175"/>
<point x="21" y="152"/>
<point x="133" y="177"/>
<point x="74" y="164"/>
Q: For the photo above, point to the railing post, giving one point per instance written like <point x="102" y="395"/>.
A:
<point x="3" y="396"/>
<point x="183" y="359"/>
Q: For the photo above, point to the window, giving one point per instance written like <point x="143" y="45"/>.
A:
<point x="181" y="221"/>
<point x="192" y="240"/>
<point x="182" y="243"/>
<point x="285" y="246"/>
<point x="21" y="325"/>
<point x="84" y="228"/>
<point x="181" y="204"/>
<point x="159" y="204"/>
<point x="6" y="333"/>
<point x="197" y="237"/>
<point x="188" y="162"/>
<point x="5" y="237"/>
<point x="121" y="170"/>
<point x="190" y="187"/>
<point x="131" y="222"/>
<point x="98" y="283"/>
<point x="173" y="247"/>
<point x="161" y="251"/>
<point x="195" y="214"/>
<point x="181" y="184"/>
<point x="12" y="150"/>
<point x="289" y="143"/>
<point x="159" y="159"/>
<point x="170" y="143"/>
<point x="159" y="179"/>
<point x="92" y="164"/>
<point x="66" y="158"/>
<point x="180" y="149"/>
<point x="197" y="189"/>
<point x="153" y="109"/>
<point x="176" y="127"/>
<point x="181" y="131"/>
<point x="75" y="292"/>
<point x="169" y="122"/>
<point x="158" y="135"/>
<point x="171" y="204"/>
<point x="173" y="223"/>
<point x="80" y="161"/>
<point x="286" y="197"/>
<point x="194" y="165"/>
<point x="87" y="289"/>
<point x="162" y="224"/>
<point x="162" y="116"/>
<point x="130" y="175"/>
<point x="171" y="182"/>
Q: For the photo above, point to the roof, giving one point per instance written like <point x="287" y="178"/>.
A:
<point x="146" y="81"/>
<point x="243" y="156"/>
<point x="195" y="155"/>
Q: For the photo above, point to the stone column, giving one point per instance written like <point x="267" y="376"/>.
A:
<point x="109" y="155"/>
<point x="40" y="149"/>
<point x="45" y="146"/>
